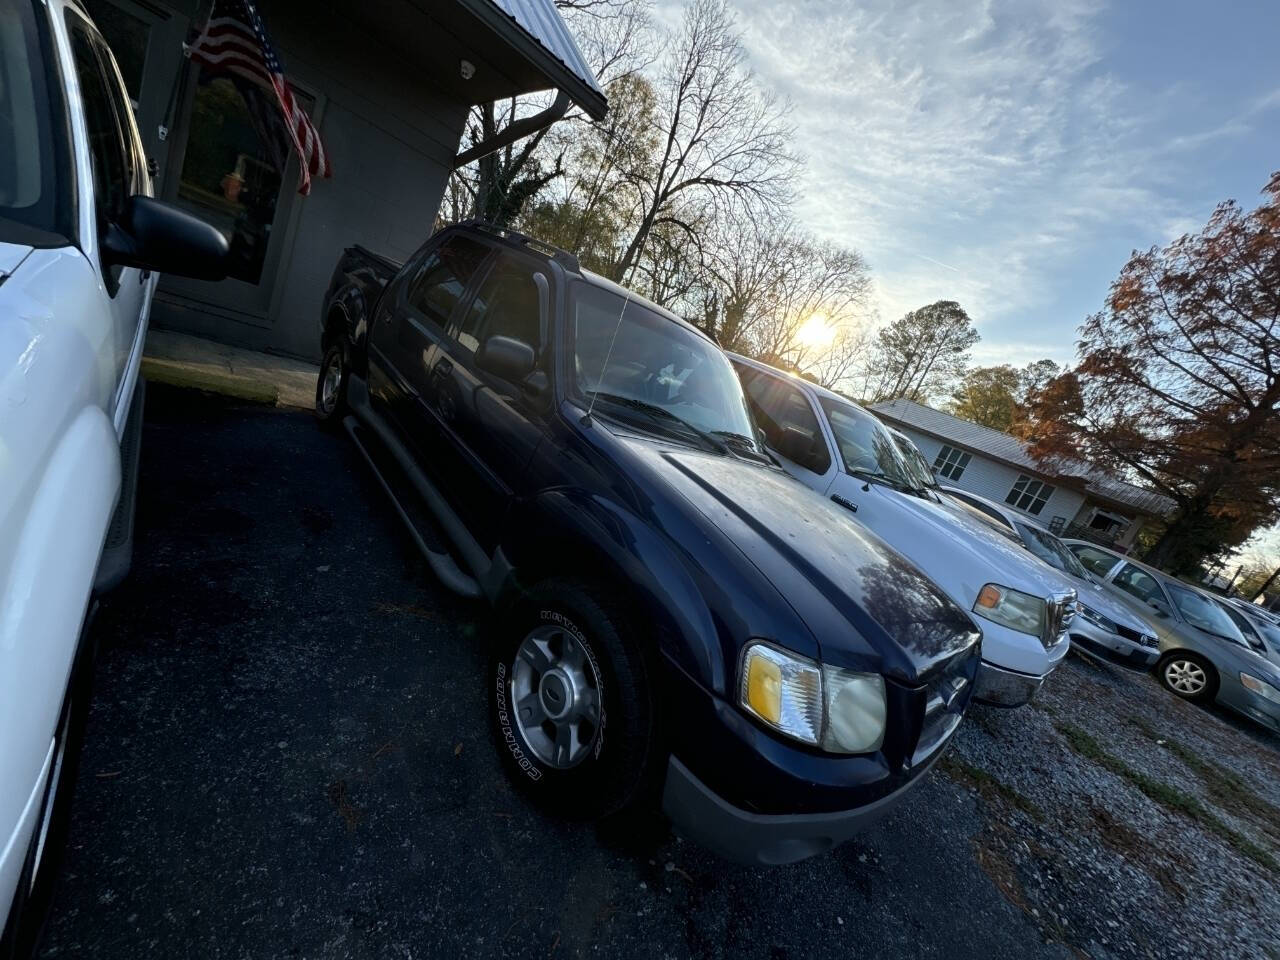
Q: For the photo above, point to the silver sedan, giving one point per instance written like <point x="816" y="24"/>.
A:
<point x="1203" y="654"/>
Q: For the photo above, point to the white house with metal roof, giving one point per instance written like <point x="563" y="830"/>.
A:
<point x="1076" y="498"/>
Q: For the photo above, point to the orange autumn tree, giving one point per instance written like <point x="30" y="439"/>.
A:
<point x="1178" y="382"/>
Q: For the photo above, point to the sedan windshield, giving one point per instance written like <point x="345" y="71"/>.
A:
<point x="646" y="366"/>
<point x="28" y="188"/>
<point x="1051" y="550"/>
<point x="1200" y="611"/>
<point x="916" y="464"/>
<point x="867" y="446"/>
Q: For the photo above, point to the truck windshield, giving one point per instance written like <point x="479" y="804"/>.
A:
<point x="1051" y="550"/>
<point x="28" y="188"/>
<point x="637" y="360"/>
<point x="866" y="445"/>
<point x="915" y="463"/>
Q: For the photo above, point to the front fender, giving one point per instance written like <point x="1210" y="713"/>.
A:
<point x="55" y="546"/>
<point x="572" y="530"/>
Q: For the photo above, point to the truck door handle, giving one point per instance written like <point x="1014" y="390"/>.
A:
<point x="845" y="502"/>
<point x="443" y="368"/>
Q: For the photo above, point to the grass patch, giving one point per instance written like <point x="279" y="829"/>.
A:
<point x="990" y="787"/>
<point x="1133" y="846"/>
<point x="1171" y="798"/>
<point x="209" y="381"/>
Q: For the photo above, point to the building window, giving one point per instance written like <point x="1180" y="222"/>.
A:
<point x="1029" y="495"/>
<point x="950" y="462"/>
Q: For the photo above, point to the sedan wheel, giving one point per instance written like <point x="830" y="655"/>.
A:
<point x="1188" y="676"/>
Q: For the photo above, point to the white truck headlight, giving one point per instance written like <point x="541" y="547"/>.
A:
<point x="1260" y="687"/>
<point x="842" y="711"/>
<point x="1012" y="608"/>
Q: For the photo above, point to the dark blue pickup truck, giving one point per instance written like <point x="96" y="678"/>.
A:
<point x="673" y="616"/>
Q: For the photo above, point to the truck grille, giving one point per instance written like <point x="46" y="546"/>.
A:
<point x="1060" y="610"/>
<point x="946" y="695"/>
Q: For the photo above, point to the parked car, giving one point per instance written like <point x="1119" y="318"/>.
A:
<point x="1260" y="629"/>
<point x="844" y="453"/>
<point x="1105" y="626"/>
<point x="79" y="239"/>
<point x="1203" y="655"/>
<point x="672" y="612"/>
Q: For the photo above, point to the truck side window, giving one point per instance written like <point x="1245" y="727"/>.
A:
<point x="111" y="167"/>
<point x="787" y="419"/>
<point x="442" y="279"/>
<point x="505" y="306"/>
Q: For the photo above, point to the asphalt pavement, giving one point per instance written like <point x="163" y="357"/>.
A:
<point x="288" y="756"/>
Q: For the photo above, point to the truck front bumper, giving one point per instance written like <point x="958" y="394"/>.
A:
<point x="999" y="687"/>
<point x="757" y="838"/>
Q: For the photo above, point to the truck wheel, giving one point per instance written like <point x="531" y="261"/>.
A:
<point x="331" y="385"/>
<point x="572" y="702"/>
<point x="1188" y="675"/>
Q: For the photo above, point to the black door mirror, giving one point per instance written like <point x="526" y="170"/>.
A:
<point x="506" y="357"/>
<point x="155" y="235"/>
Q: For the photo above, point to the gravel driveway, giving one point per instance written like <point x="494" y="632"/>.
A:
<point x="288" y="756"/>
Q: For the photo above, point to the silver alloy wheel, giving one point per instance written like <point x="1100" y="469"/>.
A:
<point x="555" y="688"/>
<point x="331" y="381"/>
<point x="1185" y="676"/>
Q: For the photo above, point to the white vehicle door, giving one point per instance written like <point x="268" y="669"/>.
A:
<point x="119" y="172"/>
<point x="791" y="427"/>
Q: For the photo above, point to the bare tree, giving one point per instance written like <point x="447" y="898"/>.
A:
<point x="721" y="134"/>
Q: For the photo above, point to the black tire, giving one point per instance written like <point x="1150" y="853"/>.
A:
<point x="618" y="767"/>
<point x="1177" y="668"/>
<point x="331" y="385"/>
<point x="32" y="901"/>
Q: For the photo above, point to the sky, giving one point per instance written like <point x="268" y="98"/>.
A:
<point x="1010" y="154"/>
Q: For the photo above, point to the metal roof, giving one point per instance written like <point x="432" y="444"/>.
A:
<point x="1006" y="448"/>
<point x="548" y="44"/>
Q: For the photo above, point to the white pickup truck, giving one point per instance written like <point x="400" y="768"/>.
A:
<point x="1023" y="606"/>
<point x="81" y="241"/>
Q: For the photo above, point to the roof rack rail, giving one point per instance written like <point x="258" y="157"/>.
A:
<point x="564" y="257"/>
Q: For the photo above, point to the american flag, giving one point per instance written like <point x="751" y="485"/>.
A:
<point x="234" y="43"/>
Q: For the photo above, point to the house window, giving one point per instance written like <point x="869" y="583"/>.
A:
<point x="951" y="462"/>
<point x="1029" y="495"/>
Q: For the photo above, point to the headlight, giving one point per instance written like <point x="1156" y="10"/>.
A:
<point x="784" y="690"/>
<point x="1260" y="687"/>
<point x="1097" y="619"/>
<point x="855" y="710"/>
<point x="1013" y="608"/>
<point x="840" y="710"/>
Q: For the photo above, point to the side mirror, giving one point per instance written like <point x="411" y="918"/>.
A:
<point x="1160" y="607"/>
<point x="155" y="235"/>
<point x="506" y="357"/>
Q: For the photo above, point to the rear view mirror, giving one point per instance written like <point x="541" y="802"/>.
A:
<point x="154" y="235"/>
<point x="506" y="357"/>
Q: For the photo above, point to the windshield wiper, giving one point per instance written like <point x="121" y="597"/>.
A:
<point x="655" y="412"/>
<point x="741" y="443"/>
<point x="882" y="477"/>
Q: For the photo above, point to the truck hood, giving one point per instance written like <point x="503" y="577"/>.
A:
<point x="11" y="256"/>
<point x="835" y="574"/>
<point x="956" y="548"/>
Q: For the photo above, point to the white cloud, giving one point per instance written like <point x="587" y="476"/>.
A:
<point x="969" y="148"/>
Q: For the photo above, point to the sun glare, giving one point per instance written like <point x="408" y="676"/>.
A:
<point x="815" y="332"/>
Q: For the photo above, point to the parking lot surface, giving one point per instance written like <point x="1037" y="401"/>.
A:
<point x="288" y="755"/>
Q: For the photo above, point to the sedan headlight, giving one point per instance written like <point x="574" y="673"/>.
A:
<point x="1097" y="619"/>
<point x="842" y="711"/>
<point x="1260" y="687"/>
<point x="1013" y="608"/>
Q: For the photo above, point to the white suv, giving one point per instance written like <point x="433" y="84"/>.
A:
<point x="79" y="239"/>
<point x="839" y="449"/>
